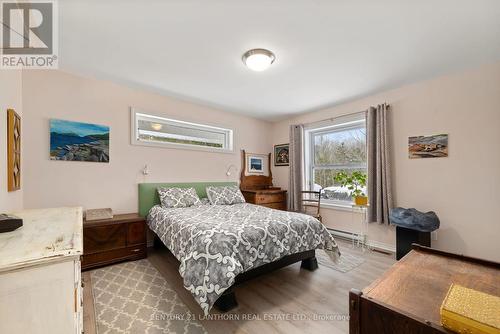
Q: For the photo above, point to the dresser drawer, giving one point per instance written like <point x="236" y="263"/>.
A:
<point x="269" y="198"/>
<point x="277" y="206"/>
<point x="136" y="233"/>
<point x="98" y="239"/>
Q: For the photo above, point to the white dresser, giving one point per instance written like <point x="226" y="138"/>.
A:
<point x="40" y="277"/>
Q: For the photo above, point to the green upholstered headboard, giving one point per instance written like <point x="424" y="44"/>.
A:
<point x="148" y="196"/>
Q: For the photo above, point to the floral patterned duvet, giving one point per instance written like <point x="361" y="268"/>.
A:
<point x="215" y="243"/>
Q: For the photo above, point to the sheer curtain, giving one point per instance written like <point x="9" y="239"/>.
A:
<point x="296" y="178"/>
<point x="379" y="165"/>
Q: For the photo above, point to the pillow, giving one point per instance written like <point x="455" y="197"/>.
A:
<point x="178" y="197"/>
<point x="225" y="195"/>
<point x="204" y="201"/>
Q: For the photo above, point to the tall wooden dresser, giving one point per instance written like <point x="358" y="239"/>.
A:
<point x="258" y="189"/>
<point x="273" y="198"/>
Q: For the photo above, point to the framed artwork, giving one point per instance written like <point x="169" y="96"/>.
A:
<point x="255" y="164"/>
<point x="13" y="150"/>
<point x="75" y="141"/>
<point x="435" y="146"/>
<point x="282" y="155"/>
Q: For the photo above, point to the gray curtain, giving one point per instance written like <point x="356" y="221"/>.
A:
<point x="379" y="165"/>
<point x="296" y="169"/>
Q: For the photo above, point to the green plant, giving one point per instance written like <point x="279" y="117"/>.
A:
<point x="354" y="182"/>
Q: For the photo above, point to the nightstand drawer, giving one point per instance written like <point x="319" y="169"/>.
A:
<point x="136" y="233"/>
<point x="112" y="256"/>
<point x="269" y="198"/>
<point x="104" y="238"/>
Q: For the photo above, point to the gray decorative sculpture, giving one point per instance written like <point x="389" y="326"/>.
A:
<point x="414" y="219"/>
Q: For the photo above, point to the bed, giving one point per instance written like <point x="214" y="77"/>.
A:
<point x="221" y="246"/>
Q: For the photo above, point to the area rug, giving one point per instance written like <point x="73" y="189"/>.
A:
<point x="133" y="297"/>
<point x="346" y="262"/>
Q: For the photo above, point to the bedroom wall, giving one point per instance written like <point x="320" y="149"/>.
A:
<point x="10" y="98"/>
<point x="56" y="94"/>
<point x="463" y="189"/>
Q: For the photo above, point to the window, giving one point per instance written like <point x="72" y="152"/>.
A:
<point x="331" y="147"/>
<point x="159" y="131"/>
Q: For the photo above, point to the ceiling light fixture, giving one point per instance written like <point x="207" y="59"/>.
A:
<point x="258" y="59"/>
<point x="156" y="126"/>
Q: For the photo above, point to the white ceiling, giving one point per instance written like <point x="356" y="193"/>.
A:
<point x="327" y="51"/>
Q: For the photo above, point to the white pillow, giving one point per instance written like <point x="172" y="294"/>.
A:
<point x="225" y="195"/>
<point x="178" y="197"/>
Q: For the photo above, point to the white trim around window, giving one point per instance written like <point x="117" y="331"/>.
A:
<point x="152" y="130"/>
<point x="339" y="124"/>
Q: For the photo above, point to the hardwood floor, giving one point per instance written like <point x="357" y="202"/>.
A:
<point x="88" y="305"/>
<point x="289" y="300"/>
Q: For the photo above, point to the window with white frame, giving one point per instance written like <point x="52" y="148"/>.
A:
<point x="331" y="147"/>
<point x="154" y="130"/>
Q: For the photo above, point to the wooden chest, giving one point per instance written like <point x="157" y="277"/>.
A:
<point x="107" y="241"/>
<point x="271" y="198"/>
<point x="408" y="297"/>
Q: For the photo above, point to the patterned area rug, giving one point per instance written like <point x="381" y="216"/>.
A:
<point x="347" y="262"/>
<point x="133" y="297"/>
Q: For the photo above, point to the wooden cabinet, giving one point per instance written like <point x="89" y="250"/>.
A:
<point x="107" y="241"/>
<point x="259" y="189"/>
<point x="40" y="278"/>
<point x="271" y="198"/>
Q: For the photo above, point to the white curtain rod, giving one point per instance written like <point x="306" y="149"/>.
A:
<point x="331" y="119"/>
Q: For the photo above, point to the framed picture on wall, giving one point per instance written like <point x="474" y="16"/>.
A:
<point x="13" y="150"/>
<point x="75" y="141"/>
<point x="435" y="146"/>
<point x="255" y="164"/>
<point x="282" y="155"/>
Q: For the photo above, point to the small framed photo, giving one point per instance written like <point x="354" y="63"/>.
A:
<point x="255" y="164"/>
<point x="435" y="146"/>
<point x="282" y="155"/>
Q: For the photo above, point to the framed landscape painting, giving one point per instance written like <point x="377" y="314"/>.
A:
<point x="435" y="146"/>
<point x="75" y="141"/>
<point x="282" y="155"/>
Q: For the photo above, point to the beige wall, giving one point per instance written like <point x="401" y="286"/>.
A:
<point x="464" y="188"/>
<point x="10" y="98"/>
<point x="55" y="94"/>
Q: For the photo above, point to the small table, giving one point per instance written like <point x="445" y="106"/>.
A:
<point x="362" y="211"/>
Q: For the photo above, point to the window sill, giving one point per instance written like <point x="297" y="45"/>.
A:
<point x="337" y="206"/>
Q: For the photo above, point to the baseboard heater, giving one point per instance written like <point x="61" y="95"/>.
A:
<point x="356" y="237"/>
<point x="347" y="235"/>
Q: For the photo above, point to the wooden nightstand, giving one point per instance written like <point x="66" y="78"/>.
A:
<point x="107" y="241"/>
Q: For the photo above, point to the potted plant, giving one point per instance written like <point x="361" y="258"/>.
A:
<point x="354" y="183"/>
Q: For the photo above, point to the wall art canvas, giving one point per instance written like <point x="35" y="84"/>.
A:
<point x="75" y="141"/>
<point x="281" y="155"/>
<point x="435" y="146"/>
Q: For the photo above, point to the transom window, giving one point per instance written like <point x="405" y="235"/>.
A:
<point x="160" y="131"/>
<point x="332" y="147"/>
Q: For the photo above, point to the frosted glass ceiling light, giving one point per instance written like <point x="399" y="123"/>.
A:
<point x="156" y="126"/>
<point x="258" y="59"/>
